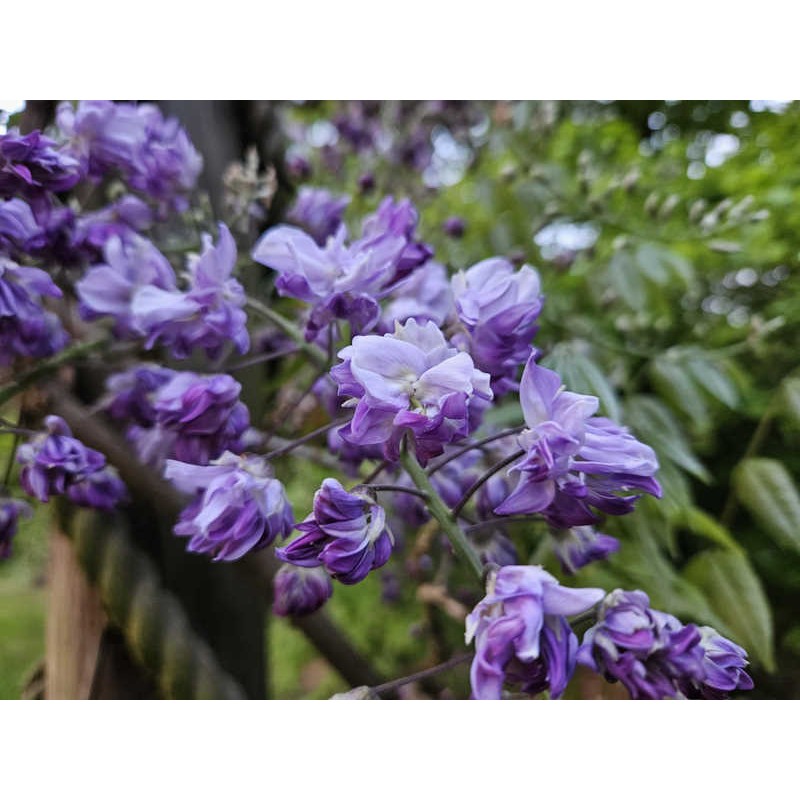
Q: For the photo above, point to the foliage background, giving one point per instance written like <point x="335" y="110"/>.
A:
<point x="666" y="236"/>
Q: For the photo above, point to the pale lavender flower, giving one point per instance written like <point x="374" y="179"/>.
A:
<point x="26" y="329"/>
<point x="318" y="212"/>
<point x="208" y="315"/>
<point x="299" y="590"/>
<point x="408" y="381"/>
<point x="10" y="512"/>
<point x="425" y="295"/>
<point x="651" y="653"/>
<point x="108" y="289"/>
<point x="499" y="308"/>
<point x="579" y="546"/>
<point x="346" y="534"/>
<point x="238" y="506"/>
<point x="521" y="633"/>
<point x="574" y="461"/>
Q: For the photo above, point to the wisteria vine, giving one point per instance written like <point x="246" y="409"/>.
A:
<point x="409" y="362"/>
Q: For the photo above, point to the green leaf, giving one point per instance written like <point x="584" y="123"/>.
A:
<point x="735" y="593"/>
<point x="626" y="278"/>
<point x="656" y="426"/>
<point x="766" y="489"/>
<point x="790" y="399"/>
<point x="676" y="385"/>
<point x="701" y="524"/>
<point x="713" y="379"/>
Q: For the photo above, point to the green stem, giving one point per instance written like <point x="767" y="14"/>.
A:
<point x="440" y="512"/>
<point x="285" y="325"/>
<point x="49" y="366"/>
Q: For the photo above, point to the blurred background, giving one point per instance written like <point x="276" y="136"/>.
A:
<point x="667" y="236"/>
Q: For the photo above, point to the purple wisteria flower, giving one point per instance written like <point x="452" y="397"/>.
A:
<point x="579" y="546"/>
<point x="10" y="512"/>
<point x="26" y="329"/>
<point x="725" y="663"/>
<point x="318" y="212"/>
<point x="55" y="463"/>
<point x="499" y="308"/>
<point x="521" y="633"/>
<point x="650" y="652"/>
<point x="31" y="166"/>
<point x="424" y="296"/>
<point x="152" y="154"/>
<point x="346" y="534"/>
<point x="19" y="230"/>
<point x="299" y="591"/>
<point x="208" y="316"/>
<point x="108" y="289"/>
<point x="103" y="490"/>
<point x="124" y="219"/>
<point x="238" y="506"/>
<point x="408" y="381"/>
<point x="129" y="394"/>
<point x="493" y="547"/>
<point x="455" y="227"/>
<point x="340" y="280"/>
<point x="573" y="460"/>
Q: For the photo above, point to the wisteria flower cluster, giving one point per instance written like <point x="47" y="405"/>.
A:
<point x="407" y="364"/>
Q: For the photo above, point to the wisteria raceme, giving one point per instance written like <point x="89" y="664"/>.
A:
<point x="346" y="534"/>
<point x="521" y="633"/>
<point x="153" y="154"/>
<point x="108" y="289"/>
<point x="499" y="307"/>
<point x="655" y="656"/>
<point x="318" y="212"/>
<point x="573" y="460"/>
<point x="300" y="590"/>
<point x="340" y="280"/>
<point x="579" y="546"/>
<point x="31" y="166"/>
<point x="19" y="230"/>
<point x="56" y="463"/>
<point x="238" y="507"/>
<point x="408" y="381"/>
<point x="10" y="512"/>
<point x="208" y="316"/>
<point x="26" y="329"/>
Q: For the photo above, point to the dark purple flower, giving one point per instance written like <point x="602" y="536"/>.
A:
<point x="318" y="212"/>
<point x="499" y="308"/>
<point x="651" y="653"/>
<point x="573" y="460"/>
<point x="31" y="166"/>
<point x="201" y="415"/>
<point x="108" y="289"/>
<point x="10" y="512"/>
<point x="209" y="315"/>
<point x="238" y="506"/>
<point x="346" y="533"/>
<point x="298" y="167"/>
<point x="521" y="632"/>
<point x="579" y="546"/>
<point x="26" y="329"/>
<point x="455" y="227"/>
<point x="724" y="663"/>
<point x="52" y="462"/>
<point x="366" y="182"/>
<point x="102" y="490"/>
<point x="408" y="381"/>
<point x="124" y="219"/>
<point x="299" y="590"/>
<point x="129" y="394"/>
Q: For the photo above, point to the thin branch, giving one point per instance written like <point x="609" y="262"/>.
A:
<point x="262" y="359"/>
<point x="485" y="477"/>
<point x="288" y="327"/>
<point x="391" y="487"/>
<point x="421" y="675"/>
<point x="480" y="443"/>
<point x="287" y="448"/>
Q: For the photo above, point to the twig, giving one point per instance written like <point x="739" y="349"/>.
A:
<point x="480" y="443"/>
<point x="485" y="477"/>
<point x="421" y="675"/>
<point x="303" y="439"/>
